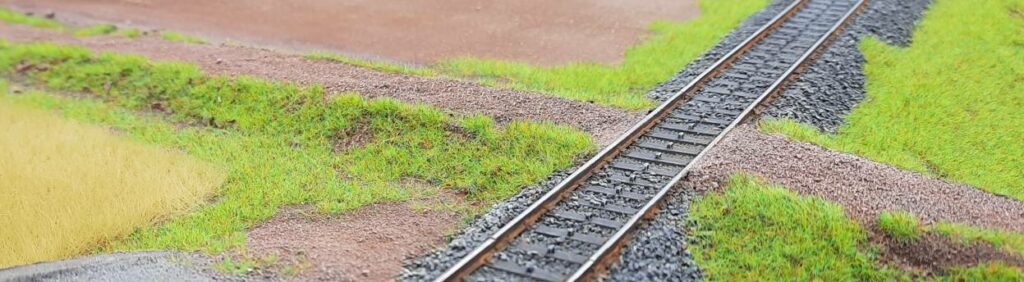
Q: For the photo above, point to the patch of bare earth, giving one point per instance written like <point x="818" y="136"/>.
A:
<point x="367" y="244"/>
<point x="936" y="253"/>
<point x="602" y="122"/>
<point x="864" y="187"/>
<point x="538" y="31"/>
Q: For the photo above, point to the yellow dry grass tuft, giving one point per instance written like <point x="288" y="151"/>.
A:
<point x="69" y="186"/>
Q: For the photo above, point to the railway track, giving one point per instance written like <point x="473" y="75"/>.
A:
<point x="575" y="231"/>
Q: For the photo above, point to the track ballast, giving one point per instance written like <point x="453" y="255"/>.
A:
<point x="576" y="230"/>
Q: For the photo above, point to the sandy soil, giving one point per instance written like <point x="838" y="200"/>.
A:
<point x="602" y="122"/>
<point x="368" y="244"/>
<point x="538" y="31"/>
<point x="865" y="188"/>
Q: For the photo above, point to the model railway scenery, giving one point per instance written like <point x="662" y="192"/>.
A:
<point x="456" y="140"/>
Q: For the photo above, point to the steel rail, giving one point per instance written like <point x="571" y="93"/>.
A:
<point x="614" y="244"/>
<point x="513" y="228"/>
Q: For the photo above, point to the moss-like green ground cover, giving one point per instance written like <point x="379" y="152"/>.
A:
<point x="283" y="144"/>
<point x="949" y="104"/>
<point x="758" y="232"/>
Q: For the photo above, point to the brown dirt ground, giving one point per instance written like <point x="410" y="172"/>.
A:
<point x="537" y="31"/>
<point x="865" y="188"/>
<point x="602" y="122"/>
<point x="368" y="244"/>
<point x="935" y="253"/>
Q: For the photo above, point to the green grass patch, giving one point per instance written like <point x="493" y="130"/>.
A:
<point x="181" y="37"/>
<point x="130" y="32"/>
<point x="754" y="231"/>
<point x="758" y="232"/>
<point x="1009" y="241"/>
<point x="948" y="105"/>
<point x="671" y="46"/>
<point x="992" y="271"/>
<point x="901" y="225"/>
<point x="284" y="144"/>
<point x="94" y="30"/>
<point x="15" y="17"/>
<point x="374" y="64"/>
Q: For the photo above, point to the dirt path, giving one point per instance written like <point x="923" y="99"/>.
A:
<point x="537" y="31"/>
<point x="602" y="122"/>
<point x="865" y="188"/>
<point x="368" y="244"/>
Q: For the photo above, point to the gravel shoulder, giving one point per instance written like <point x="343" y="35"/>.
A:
<point x="602" y="122"/>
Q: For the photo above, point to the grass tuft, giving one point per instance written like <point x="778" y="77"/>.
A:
<point x="14" y="17"/>
<point x="374" y="64"/>
<point x="67" y="185"/>
<point x="130" y="32"/>
<point x="901" y="225"/>
<point x="181" y="37"/>
<point x="94" y="30"/>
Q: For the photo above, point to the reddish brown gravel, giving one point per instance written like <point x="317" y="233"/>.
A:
<point x="538" y="31"/>
<point x="603" y="123"/>
<point x="368" y="244"/>
<point x="865" y="188"/>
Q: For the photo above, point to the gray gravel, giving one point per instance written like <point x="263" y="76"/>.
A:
<point x="828" y="89"/>
<point x="432" y="264"/>
<point x="128" y="266"/>
<point x="833" y="84"/>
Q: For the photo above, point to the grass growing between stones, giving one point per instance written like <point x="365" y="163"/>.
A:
<point x="948" y="105"/>
<point x="755" y="231"/>
<point x="669" y="49"/>
<point x="373" y="64"/>
<point x="67" y="185"/>
<point x="283" y="144"/>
